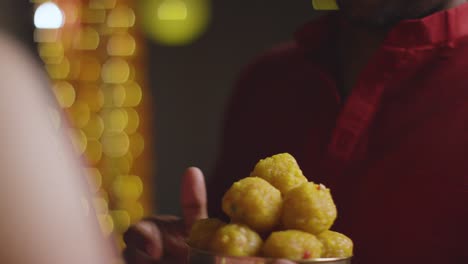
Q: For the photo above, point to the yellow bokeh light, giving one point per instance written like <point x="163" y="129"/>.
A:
<point x="53" y="60"/>
<point x="87" y="39"/>
<point x="115" y="71"/>
<point x="128" y="188"/>
<point x="108" y="167"/>
<point x="95" y="127"/>
<point x="106" y="31"/>
<point x="46" y="35"/>
<point x="124" y="164"/>
<point x="115" y="144"/>
<point x="115" y="120"/>
<point x="114" y="95"/>
<point x="65" y="93"/>
<point x="93" y="16"/>
<point x="92" y="95"/>
<point x="133" y="121"/>
<point x="89" y="68"/>
<point x="134" y="209"/>
<point x="79" y="114"/>
<point x="133" y="94"/>
<point x="94" y="178"/>
<point x="106" y="223"/>
<point x="172" y="10"/>
<point x="121" y="17"/>
<point x="137" y="144"/>
<point x="60" y="70"/>
<point x="109" y="172"/>
<point x="79" y="140"/>
<point x="119" y="166"/>
<point x="129" y="158"/>
<point x="102" y="4"/>
<point x="121" y="44"/>
<point x="121" y="220"/>
<point x="100" y="205"/>
<point x="93" y="152"/>
<point x="51" y="53"/>
<point x="175" y="22"/>
<point x="133" y="73"/>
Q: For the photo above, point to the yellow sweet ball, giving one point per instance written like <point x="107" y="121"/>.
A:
<point x="281" y="171"/>
<point x="310" y="208"/>
<point x="202" y="232"/>
<point x="293" y="245"/>
<point x="254" y="202"/>
<point x="335" y="245"/>
<point x="236" y="240"/>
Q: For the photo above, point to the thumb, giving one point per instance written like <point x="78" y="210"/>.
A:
<point x="193" y="196"/>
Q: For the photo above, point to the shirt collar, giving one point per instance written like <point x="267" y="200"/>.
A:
<point x="441" y="28"/>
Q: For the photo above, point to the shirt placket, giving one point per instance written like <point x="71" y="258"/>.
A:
<point x="353" y="121"/>
<point x="361" y="106"/>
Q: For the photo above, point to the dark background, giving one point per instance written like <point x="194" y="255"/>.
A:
<point x="191" y="84"/>
<point x="16" y="18"/>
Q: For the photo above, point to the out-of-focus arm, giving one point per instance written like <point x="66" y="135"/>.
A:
<point x="42" y="188"/>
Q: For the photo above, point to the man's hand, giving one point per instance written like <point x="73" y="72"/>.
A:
<point x="161" y="239"/>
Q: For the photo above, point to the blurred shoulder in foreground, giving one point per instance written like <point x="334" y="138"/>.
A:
<point x="42" y="189"/>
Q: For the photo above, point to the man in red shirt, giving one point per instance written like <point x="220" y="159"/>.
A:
<point x="373" y="102"/>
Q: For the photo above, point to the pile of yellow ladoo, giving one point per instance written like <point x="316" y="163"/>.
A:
<point x="275" y="202"/>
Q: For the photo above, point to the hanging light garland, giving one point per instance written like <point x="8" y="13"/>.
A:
<point x="95" y="59"/>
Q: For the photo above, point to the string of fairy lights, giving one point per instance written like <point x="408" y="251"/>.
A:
<point x="94" y="57"/>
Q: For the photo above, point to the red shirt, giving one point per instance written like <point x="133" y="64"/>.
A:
<point x="394" y="154"/>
